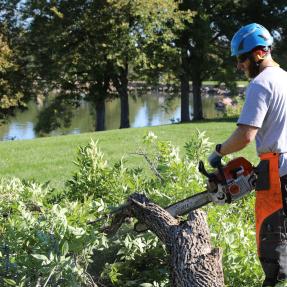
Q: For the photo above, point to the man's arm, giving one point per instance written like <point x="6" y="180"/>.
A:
<point x="240" y="138"/>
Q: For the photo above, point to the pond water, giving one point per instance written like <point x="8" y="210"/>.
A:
<point x="149" y="110"/>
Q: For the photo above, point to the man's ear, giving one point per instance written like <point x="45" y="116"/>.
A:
<point x="259" y="55"/>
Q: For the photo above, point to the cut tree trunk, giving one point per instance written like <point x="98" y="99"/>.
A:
<point x="193" y="262"/>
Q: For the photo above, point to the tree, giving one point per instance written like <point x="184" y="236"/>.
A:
<point x="87" y="48"/>
<point x="67" y="43"/>
<point x="143" y="40"/>
<point x="200" y="55"/>
<point x="11" y="91"/>
<point x="15" y="82"/>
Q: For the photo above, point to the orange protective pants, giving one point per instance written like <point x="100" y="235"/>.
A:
<point x="271" y="220"/>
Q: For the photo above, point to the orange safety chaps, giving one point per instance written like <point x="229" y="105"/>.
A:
<point x="271" y="220"/>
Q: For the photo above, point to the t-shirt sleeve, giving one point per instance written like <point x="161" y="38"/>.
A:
<point x="255" y="106"/>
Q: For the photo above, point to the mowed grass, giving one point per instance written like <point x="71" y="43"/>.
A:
<point x="51" y="159"/>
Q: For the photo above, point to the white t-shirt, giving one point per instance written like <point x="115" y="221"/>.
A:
<point x="265" y="107"/>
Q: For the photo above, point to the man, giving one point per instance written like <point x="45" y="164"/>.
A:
<point x="263" y="118"/>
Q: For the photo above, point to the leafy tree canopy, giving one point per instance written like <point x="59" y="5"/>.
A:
<point x="11" y="95"/>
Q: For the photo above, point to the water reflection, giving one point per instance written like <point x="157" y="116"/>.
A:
<point x="149" y="110"/>
<point x="20" y="131"/>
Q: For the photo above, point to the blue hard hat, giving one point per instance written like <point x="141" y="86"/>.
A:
<point x="248" y="37"/>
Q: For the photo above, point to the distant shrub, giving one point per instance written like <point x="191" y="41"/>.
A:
<point x="233" y="111"/>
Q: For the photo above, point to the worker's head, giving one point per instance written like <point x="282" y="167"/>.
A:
<point x="251" y="44"/>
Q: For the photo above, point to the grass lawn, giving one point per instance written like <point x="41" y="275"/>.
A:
<point x="51" y="159"/>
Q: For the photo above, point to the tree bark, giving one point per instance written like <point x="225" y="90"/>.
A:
<point x="193" y="262"/>
<point x="197" y="101"/>
<point x="184" y="87"/>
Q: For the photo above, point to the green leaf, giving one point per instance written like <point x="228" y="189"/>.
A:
<point x="40" y="257"/>
<point x="65" y="248"/>
<point x="10" y="282"/>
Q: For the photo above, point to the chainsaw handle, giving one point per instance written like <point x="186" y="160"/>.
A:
<point x="202" y="170"/>
<point x="221" y="172"/>
<point x="211" y="176"/>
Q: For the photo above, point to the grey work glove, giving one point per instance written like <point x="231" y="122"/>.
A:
<point x="215" y="158"/>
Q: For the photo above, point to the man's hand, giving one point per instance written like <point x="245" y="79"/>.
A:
<point x="215" y="158"/>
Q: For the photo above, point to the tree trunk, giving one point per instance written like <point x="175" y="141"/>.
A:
<point x="125" y="121"/>
<point x="197" y="101"/>
<point x="100" y="115"/>
<point x="184" y="87"/>
<point x="121" y="84"/>
<point x="193" y="262"/>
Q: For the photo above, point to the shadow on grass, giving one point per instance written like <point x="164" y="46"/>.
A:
<point x="215" y="120"/>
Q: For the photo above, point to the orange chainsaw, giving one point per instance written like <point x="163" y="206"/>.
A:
<point x="227" y="184"/>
